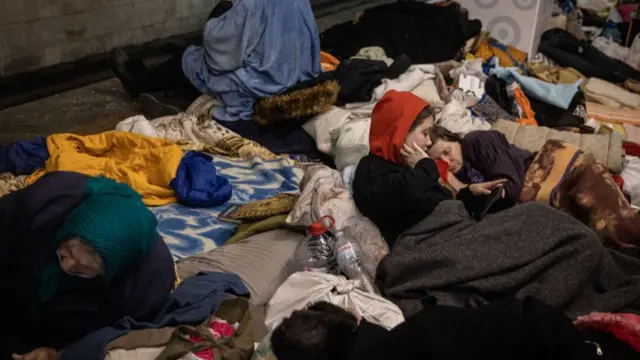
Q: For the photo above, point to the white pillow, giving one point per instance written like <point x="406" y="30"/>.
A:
<point x="320" y="127"/>
<point x="351" y="142"/>
<point x="428" y="92"/>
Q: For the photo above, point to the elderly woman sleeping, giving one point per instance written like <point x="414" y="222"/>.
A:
<point x="560" y="174"/>
<point x="77" y="254"/>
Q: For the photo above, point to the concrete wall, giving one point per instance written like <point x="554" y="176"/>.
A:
<point x="40" y="33"/>
<point x="519" y="23"/>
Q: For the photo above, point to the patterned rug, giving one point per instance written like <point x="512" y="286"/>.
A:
<point x="189" y="231"/>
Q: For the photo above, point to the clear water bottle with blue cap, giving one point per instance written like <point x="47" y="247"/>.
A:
<point x="610" y="31"/>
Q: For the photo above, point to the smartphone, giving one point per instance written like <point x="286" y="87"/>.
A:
<point x="495" y="195"/>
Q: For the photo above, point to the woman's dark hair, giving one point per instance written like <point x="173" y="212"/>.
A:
<point x="421" y="117"/>
<point x="322" y="332"/>
<point x="440" y="133"/>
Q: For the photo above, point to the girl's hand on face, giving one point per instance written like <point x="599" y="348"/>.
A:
<point x="412" y="154"/>
<point x="485" y="188"/>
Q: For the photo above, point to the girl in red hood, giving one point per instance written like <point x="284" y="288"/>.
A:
<point x="397" y="184"/>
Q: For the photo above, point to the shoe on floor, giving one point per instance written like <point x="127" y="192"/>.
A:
<point x="119" y="62"/>
<point x="152" y="108"/>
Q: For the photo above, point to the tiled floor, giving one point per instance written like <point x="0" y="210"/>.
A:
<point x="91" y="109"/>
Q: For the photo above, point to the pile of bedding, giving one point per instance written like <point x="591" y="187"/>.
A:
<point x="242" y="180"/>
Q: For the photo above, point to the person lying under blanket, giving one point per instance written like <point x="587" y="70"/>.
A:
<point x="487" y="155"/>
<point x="559" y="175"/>
<point x="397" y="184"/>
<point x="78" y="253"/>
<point x="529" y="249"/>
<point x="509" y="329"/>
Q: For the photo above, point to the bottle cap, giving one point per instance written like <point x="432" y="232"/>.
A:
<point x="318" y="228"/>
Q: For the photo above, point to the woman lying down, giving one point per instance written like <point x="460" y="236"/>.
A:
<point x="560" y="174"/>
<point x="438" y="250"/>
<point x="77" y="254"/>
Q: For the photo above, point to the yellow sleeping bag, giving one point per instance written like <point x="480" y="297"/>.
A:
<point x="146" y="164"/>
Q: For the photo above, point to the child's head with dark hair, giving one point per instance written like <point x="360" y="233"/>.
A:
<point x="446" y="146"/>
<point x="321" y="332"/>
<point x="422" y="117"/>
<point x="419" y="131"/>
<point x="441" y="133"/>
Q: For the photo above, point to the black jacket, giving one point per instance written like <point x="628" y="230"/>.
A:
<point x="506" y="330"/>
<point x="396" y="197"/>
<point x="565" y="49"/>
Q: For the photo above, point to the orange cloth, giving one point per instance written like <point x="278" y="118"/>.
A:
<point x="618" y="116"/>
<point x="328" y="61"/>
<point x="529" y="115"/>
<point x="508" y="56"/>
<point x="391" y="119"/>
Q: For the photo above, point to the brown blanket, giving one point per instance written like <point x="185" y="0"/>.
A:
<point x="591" y="195"/>
<point x="564" y="177"/>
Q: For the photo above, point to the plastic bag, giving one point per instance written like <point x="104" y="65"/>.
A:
<point x="633" y="59"/>
<point x="305" y="288"/>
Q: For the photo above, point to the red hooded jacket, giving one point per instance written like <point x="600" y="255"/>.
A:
<point x="387" y="191"/>
<point x="392" y="117"/>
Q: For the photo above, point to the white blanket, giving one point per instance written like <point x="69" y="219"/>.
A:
<point x="344" y="132"/>
<point x="324" y="193"/>
<point x="631" y="176"/>
<point x="194" y="124"/>
<point x="305" y="288"/>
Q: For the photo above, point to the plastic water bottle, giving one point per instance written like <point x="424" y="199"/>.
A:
<point x="516" y="109"/>
<point x="611" y="31"/>
<point x="348" y="258"/>
<point x="317" y="251"/>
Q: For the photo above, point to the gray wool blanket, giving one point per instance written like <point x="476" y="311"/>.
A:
<point x="528" y="250"/>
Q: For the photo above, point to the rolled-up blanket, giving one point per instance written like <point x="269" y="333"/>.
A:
<point x="605" y="148"/>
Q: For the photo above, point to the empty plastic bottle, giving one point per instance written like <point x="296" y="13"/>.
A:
<point x="611" y="32"/>
<point x="516" y="109"/>
<point x="317" y="251"/>
<point x="348" y="258"/>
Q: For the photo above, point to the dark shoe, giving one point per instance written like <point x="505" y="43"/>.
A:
<point x="119" y="65"/>
<point x="152" y="108"/>
<point x="222" y="7"/>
